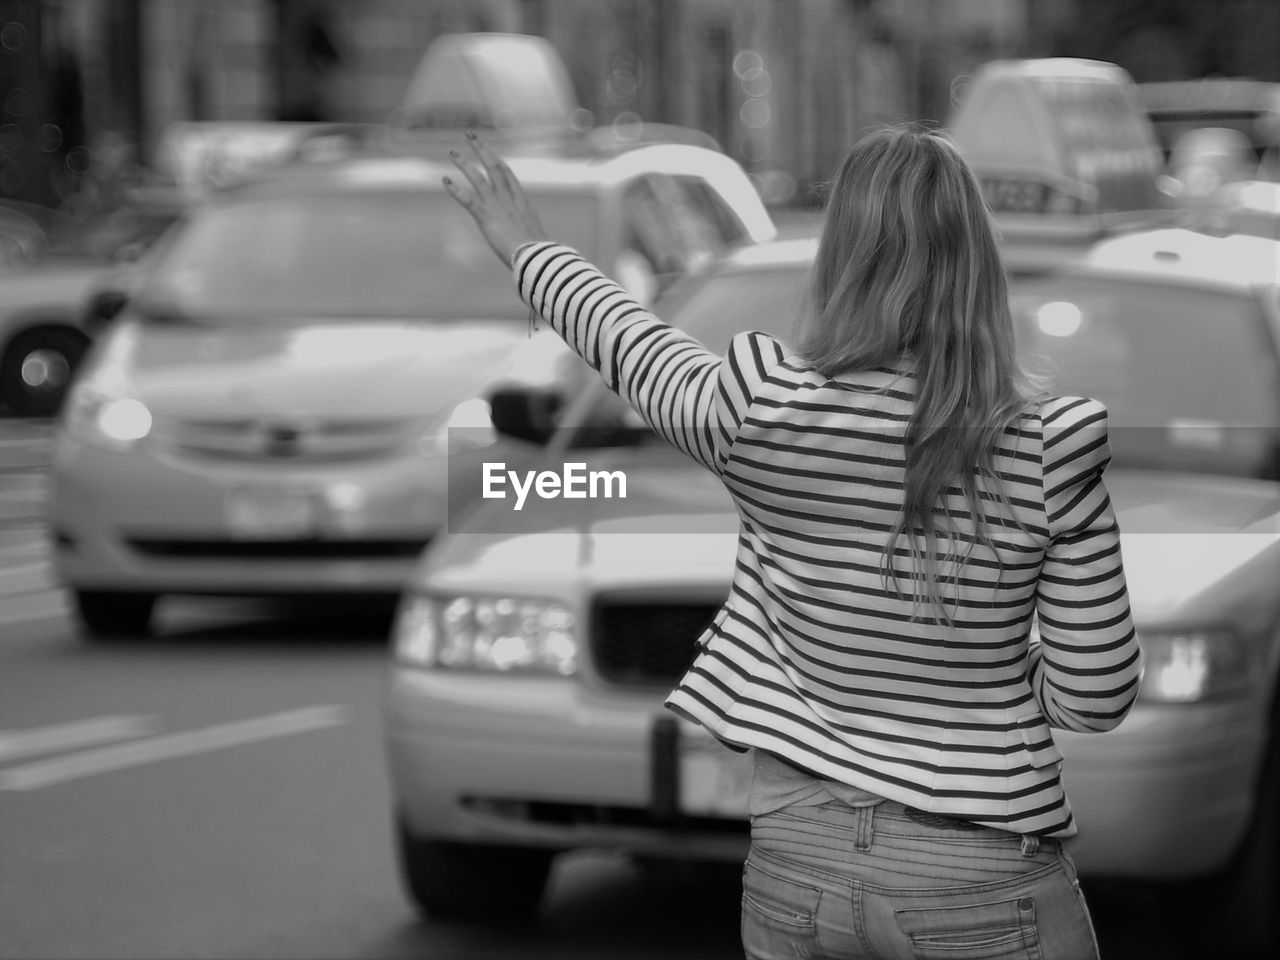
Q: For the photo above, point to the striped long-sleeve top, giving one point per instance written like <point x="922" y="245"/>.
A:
<point x="815" y="656"/>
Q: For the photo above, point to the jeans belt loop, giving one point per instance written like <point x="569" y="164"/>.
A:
<point x="866" y="832"/>
<point x="1030" y="845"/>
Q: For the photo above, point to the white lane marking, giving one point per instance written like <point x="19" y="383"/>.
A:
<point x="23" y="498"/>
<point x="24" y="482"/>
<point x="33" y="776"/>
<point x="30" y="547"/>
<point x="15" y="744"/>
<point x="26" y="578"/>
<point x="25" y="607"/>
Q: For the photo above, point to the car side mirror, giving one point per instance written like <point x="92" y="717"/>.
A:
<point x="103" y="307"/>
<point x="525" y="414"/>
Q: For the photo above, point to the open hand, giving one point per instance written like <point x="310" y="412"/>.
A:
<point x="494" y="197"/>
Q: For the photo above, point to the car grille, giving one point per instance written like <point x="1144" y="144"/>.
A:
<point x="279" y="549"/>
<point x="286" y="439"/>
<point x="646" y="643"/>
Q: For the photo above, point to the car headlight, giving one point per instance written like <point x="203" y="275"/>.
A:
<point x="112" y="421"/>
<point x="1194" y="666"/>
<point x="491" y="633"/>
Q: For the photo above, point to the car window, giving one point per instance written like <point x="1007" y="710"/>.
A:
<point x="677" y="223"/>
<point x="705" y="204"/>
<point x="123" y="234"/>
<point x="364" y="254"/>
<point x="1188" y="376"/>
<point x="703" y="230"/>
<point x="649" y="230"/>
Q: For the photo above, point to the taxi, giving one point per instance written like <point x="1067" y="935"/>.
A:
<point x="269" y="415"/>
<point x="1063" y="152"/>
<point x="533" y="650"/>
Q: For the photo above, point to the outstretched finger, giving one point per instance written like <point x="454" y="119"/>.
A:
<point x="463" y="194"/>
<point x="499" y="173"/>
<point x="475" y="176"/>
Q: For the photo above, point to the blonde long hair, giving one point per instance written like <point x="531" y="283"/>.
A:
<point x="907" y="268"/>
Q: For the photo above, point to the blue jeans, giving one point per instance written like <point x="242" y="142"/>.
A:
<point x="885" y="883"/>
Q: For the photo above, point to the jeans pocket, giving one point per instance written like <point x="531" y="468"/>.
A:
<point x="778" y="900"/>
<point x="990" y="930"/>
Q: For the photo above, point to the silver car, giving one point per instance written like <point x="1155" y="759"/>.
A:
<point x="274" y="411"/>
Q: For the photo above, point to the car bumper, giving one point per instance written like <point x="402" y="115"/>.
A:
<point x="483" y="759"/>
<point x="543" y="762"/>
<point x="137" y="521"/>
<point x="1167" y="795"/>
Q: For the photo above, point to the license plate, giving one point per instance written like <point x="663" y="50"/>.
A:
<point x="270" y="513"/>
<point x="714" y="780"/>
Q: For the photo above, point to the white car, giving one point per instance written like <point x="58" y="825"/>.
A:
<point x="533" y="650"/>
<point x="274" y="411"/>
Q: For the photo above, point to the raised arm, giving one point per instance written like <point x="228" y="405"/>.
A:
<point x="691" y="397"/>
<point x="1084" y="671"/>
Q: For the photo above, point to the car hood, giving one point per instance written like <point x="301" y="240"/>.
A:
<point x="383" y="369"/>
<point x="1195" y="547"/>
<point x="1198" y="548"/>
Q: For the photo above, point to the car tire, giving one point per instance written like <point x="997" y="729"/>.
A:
<point x="37" y="368"/>
<point x="471" y="881"/>
<point x="111" y="615"/>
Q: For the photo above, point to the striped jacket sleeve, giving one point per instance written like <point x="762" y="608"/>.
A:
<point x="691" y="397"/>
<point x="1084" y="670"/>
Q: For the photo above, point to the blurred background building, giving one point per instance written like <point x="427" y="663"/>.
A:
<point x="87" y="87"/>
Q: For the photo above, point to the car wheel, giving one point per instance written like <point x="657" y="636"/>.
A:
<point x="471" y="881"/>
<point x="36" y="370"/>
<point x="109" y="615"/>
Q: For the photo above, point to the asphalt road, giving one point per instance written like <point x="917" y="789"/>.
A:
<point x="219" y="791"/>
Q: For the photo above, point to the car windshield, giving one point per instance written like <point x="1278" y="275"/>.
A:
<point x="117" y="237"/>
<point x="1187" y="375"/>
<point x="342" y="255"/>
<point x="120" y="235"/>
<point x="1157" y="355"/>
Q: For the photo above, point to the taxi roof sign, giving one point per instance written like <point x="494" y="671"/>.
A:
<point x="204" y="155"/>
<point x="1058" y="136"/>
<point x="499" y="80"/>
